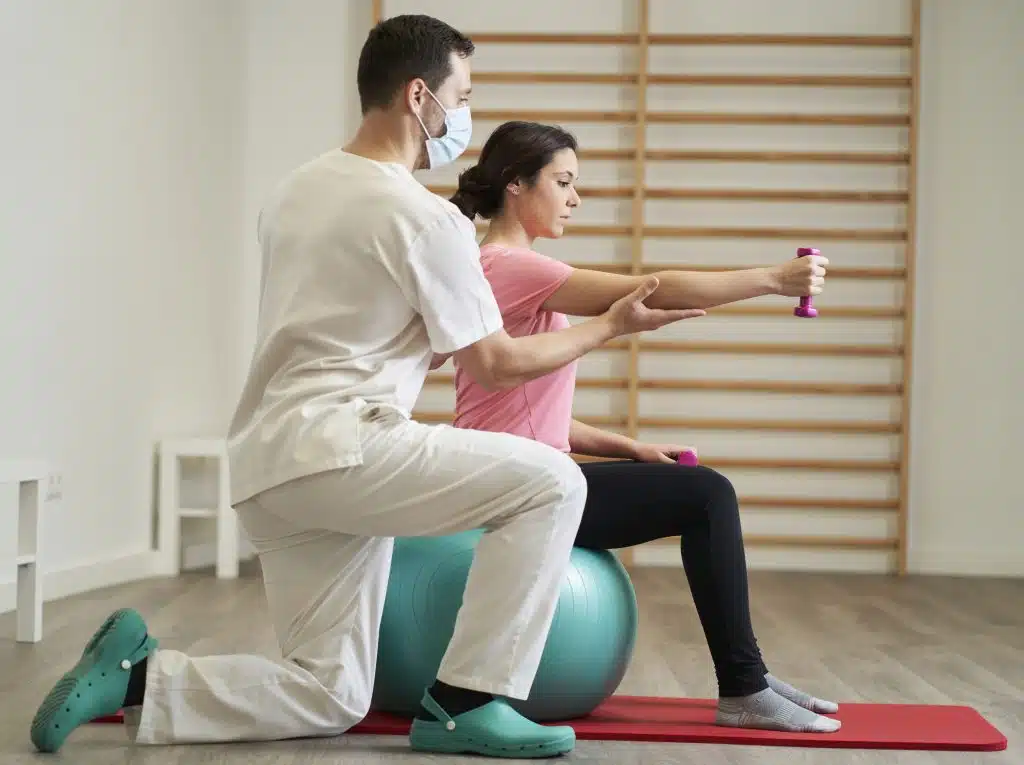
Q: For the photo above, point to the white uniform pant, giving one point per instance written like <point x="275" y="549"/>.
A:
<point x="325" y="543"/>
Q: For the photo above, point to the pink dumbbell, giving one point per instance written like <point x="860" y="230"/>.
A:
<point x="688" y="458"/>
<point x="806" y="309"/>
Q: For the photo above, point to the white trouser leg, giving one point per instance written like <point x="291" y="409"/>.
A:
<point x="325" y="546"/>
<point x="323" y="590"/>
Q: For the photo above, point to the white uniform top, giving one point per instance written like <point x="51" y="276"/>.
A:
<point x="366" y="273"/>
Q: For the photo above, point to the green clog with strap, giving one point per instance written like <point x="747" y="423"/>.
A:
<point x="494" y="729"/>
<point x="96" y="685"/>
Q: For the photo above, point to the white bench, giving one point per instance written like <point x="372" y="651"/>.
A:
<point x="171" y="512"/>
<point x="30" y="477"/>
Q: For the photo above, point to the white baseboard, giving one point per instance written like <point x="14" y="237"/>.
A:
<point x="992" y="563"/>
<point x="204" y="554"/>
<point x="85" y="577"/>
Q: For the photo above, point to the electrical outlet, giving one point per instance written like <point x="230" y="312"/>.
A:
<point x="54" y="487"/>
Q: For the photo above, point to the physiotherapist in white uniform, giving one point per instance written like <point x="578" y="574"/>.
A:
<point x="369" y="280"/>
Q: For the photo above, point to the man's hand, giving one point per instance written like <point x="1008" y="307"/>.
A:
<point x="667" y="453"/>
<point x="801" y="277"/>
<point x="629" y="315"/>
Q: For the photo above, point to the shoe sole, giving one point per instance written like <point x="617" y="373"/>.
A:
<point x="63" y="710"/>
<point x="442" y="741"/>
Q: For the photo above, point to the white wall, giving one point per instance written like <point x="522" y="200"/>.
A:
<point x="299" y="73"/>
<point x="968" y="500"/>
<point x="142" y="137"/>
<point x="300" y="101"/>
<point x="119" y="213"/>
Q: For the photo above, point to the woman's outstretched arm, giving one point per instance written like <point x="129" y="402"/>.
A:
<point x="589" y="293"/>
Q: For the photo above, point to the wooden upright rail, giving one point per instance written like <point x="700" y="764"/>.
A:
<point x="631" y="419"/>
<point x="910" y="265"/>
<point x="638" y="232"/>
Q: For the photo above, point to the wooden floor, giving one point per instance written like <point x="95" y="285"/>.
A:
<point x="851" y="638"/>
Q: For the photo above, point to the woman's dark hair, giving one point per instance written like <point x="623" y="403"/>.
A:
<point x="514" y="151"/>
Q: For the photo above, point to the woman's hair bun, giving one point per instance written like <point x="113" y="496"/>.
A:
<point x="477" y="194"/>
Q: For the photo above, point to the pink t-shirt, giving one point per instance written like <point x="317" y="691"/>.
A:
<point x="540" y="409"/>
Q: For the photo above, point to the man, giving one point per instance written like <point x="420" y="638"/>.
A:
<point x="368" y="279"/>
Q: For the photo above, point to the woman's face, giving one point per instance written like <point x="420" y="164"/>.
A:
<point x="544" y="208"/>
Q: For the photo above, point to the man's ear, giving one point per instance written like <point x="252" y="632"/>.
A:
<point x="416" y="93"/>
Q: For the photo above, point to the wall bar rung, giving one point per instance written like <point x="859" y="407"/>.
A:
<point x="715" y="80"/>
<point x="736" y="195"/>
<point x="685" y="423"/>
<point x="722" y="386"/>
<point x="548" y="38"/>
<point x="730" y="347"/>
<point x="737" y="156"/>
<point x="681" y="118"/>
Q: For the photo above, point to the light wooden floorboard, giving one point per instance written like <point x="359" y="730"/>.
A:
<point x="848" y="637"/>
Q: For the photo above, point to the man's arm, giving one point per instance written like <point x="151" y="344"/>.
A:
<point x="589" y="293"/>
<point x="500" y="361"/>
<point x="444" y="282"/>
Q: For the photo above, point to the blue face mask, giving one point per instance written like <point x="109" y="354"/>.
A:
<point x="448" y="147"/>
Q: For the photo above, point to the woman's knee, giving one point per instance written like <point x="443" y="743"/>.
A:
<point x="718" y="488"/>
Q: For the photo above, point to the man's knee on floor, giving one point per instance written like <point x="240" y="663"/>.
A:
<point x="349" y="709"/>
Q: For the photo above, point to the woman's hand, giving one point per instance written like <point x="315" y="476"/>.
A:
<point x="800" y="277"/>
<point x="667" y="453"/>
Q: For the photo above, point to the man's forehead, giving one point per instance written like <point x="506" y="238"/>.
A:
<point x="460" y="79"/>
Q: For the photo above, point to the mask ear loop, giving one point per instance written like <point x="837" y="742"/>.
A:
<point x="445" y="124"/>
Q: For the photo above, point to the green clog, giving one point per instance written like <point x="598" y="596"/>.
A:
<point x="494" y="729"/>
<point x="96" y="685"/>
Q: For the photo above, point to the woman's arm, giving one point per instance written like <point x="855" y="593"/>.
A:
<point x="594" y="442"/>
<point x="589" y="293"/>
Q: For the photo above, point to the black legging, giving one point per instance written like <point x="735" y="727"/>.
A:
<point x="629" y="503"/>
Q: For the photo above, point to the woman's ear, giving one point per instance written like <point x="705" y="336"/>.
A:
<point x="513" y="188"/>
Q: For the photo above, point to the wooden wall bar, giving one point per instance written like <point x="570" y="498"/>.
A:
<point x="632" y="380"/>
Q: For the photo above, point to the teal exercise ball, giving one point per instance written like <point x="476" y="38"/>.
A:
<point x="588" y="648"/>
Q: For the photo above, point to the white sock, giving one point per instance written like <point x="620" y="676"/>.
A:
<point x="806" y="700"/>
<point x="768" y="710"/>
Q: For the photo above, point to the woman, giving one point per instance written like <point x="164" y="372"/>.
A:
<point x="524" y="185"/>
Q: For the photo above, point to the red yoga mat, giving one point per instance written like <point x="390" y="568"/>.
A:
<point x="865" y="726"/>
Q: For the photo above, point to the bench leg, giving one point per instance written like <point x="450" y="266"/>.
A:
<point x="227" y="527"/>
<point x="29" y="602"/>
